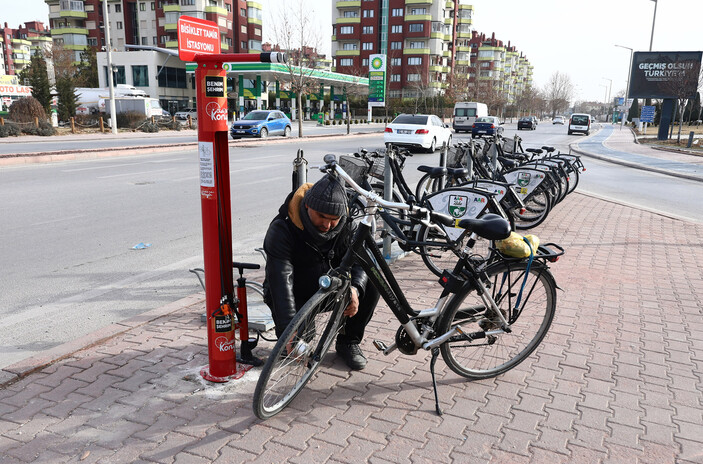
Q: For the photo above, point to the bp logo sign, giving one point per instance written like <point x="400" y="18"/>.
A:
<point x="523" y="179"/>
<point x="458" y="205"/>
<point x="377" y="63"/>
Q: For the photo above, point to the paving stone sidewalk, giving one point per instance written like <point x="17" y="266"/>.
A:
<point x="617" y="380"/>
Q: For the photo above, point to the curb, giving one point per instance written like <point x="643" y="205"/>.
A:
<point x="69" y="155"/>
<point x="635" y="165"/>
<point x="15" y="372"/>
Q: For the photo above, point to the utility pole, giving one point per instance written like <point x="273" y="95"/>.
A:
<point x="110" y="83"/>
<point x="654" y="20"/>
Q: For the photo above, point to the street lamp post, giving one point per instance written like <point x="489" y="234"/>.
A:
<point x="110" y="81"/>
<point x="654" y="20"/>
<point x="629" y="72"/>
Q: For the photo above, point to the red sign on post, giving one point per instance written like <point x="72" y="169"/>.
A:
<point x="197" y="36"/>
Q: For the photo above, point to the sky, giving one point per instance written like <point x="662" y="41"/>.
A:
<point x="575" y="37"/>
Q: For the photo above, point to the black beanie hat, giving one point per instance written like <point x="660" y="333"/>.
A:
<point x="327" y="196"/>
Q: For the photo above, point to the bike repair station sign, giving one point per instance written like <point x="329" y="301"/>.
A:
<point x="196" y="36"/>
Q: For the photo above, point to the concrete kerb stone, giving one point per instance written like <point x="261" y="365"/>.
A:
<point x="17" y="371"/>
<point x="68" y="155"/>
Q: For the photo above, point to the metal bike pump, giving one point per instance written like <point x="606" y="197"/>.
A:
<point x="387" y="195"/>
<point x="300" y="170"/>
<point x="443" y="164"/>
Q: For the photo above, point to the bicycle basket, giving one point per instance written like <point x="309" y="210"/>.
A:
<point x="455" y="158"/>
<point x="378" y="168"/>
<point x="355" y="167"/>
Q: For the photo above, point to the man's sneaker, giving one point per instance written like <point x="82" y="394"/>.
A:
<point x="352" y="355"/>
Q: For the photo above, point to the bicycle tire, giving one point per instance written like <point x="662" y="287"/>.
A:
<point x="537" y="207"/>
<point x="491" y="356"/>
<point x="299" y="352"/>
<point x="437" y="257"/>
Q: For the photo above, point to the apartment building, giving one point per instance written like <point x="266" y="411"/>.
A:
<point x="499" y="65"/>
<point x="78" y="24"/>
<point x="418" y="36"/>
<point x="20" y="44"/>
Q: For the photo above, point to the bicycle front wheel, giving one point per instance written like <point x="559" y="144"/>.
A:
<point x="299" y="352"/>
<point x="495" y="354"/>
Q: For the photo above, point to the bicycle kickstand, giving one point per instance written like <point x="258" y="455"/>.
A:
<point x="435" y="353"/>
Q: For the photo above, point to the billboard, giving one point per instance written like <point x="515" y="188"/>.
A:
<point x="377" y="80"/>
<point x="665" y="74"/>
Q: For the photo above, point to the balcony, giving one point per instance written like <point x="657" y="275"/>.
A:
<point x="461" y="20"/>
<point x="72" y="14"/>
<point x="348" y="4"/>
<point x="218" y="10"/>
<point x="68" y="30"/>
<point x="419" y="17"/>
<point x="449" y="4"/>
<point x="352" y="20"/>
<point x="418" y="2"/>
<point x="462" y="62"/>
<point x="348" y="52"/>
<point x="439" y="68"/>
<point x="416" y="51"/>
<point x="168" y="8"/>
<point x="170" y="26"/>
<point x="172" y="44"/>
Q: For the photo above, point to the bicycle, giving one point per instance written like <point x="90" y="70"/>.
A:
<point x="508" y="305"/>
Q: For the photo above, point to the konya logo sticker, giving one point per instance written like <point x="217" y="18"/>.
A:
<point x="458" y="205"/>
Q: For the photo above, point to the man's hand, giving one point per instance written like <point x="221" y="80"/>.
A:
<point x="353" y="305"/>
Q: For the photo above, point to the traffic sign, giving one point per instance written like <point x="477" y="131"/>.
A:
<point x="647" y="114"/>
<point x="196" y="36"/>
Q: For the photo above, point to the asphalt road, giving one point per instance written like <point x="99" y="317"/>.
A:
<point x="69" y="228"/>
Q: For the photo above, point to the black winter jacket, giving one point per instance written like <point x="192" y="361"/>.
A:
<point x="294" y="263"/>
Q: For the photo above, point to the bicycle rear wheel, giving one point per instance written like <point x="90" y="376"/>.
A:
<point x="495" y="354"/>
<point x="537" y="207"/>
<point x="299" y="351"/>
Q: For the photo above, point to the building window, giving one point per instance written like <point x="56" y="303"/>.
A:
<point x="93" y="41"/>
<point x="415" y="27"/>
<point x="395" y="77"/>
<point x="367" y="30"/>
<point x="396" y="61"/>
<point x="228" y="7"/>
<point x="418" y="11"/>
<point x="140" y="76"/>
<point x="243" y="45"/>
<point x="243" y="12"/>
<point x="154" y="40"/>
<point x="346" y="30"/>
<point x="243" y="28"/>
<point x="350" y="46"/>
<point x="145" y="40"/>
<point x="397" y="29"/>
<point x="364" y="62"/>
<point x="119" y="24"/>
<point x="368" y="13"/>
<point x="118" y="76"/>
<point x="254" y="45"/>
<point x="257" y="31"/>
<point x="413" y="77"/>
<point x="417" y="44"/>
<point x="367" y="46"/>
<point x="153" y="6"/>
<point x="118" y="8"/>
<point x="142" y="7"/>
<point x="187" y="2"/>
<point x="163" y="39"/>
<point x="396" y="45"/>
<point x="397" y="12"/>
<point x="352" y="14"/>
<point x="174" y="78"/>
<point x="346" y="62"/>
<point x="415" y="60"/>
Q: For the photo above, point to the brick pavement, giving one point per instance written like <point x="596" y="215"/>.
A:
<point x="617" y="380"/>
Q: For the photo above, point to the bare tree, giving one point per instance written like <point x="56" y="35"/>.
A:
<point x="528" y="100"/>
<point x="300" y="38"/>
<point x="558" y="92"/>
<point x="684" y="86"/>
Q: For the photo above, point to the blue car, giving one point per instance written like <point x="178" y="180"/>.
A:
<point x="261" y="123"/>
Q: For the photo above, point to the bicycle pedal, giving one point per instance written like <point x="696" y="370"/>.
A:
<point x="380" y="346"/>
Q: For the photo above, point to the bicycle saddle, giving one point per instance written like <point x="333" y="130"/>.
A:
<point x="536" y="151"/>
<point x="432" y="171"/>
<point x="489" y="226"/>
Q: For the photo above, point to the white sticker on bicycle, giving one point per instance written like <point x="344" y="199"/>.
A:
<point x="497" y="189"/>
<point x="525" y="180"/>
<point x="459" y="204"/>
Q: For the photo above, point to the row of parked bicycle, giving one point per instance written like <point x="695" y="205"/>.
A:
<point x="494" y="175"/>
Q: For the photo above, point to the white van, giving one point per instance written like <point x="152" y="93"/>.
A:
<point x="580" y="122"/>
<point x="465" y="113"/>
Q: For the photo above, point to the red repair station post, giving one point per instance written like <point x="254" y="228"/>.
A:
<point x="199" y="41"/>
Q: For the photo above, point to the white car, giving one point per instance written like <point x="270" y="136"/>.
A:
<point x="418" y="131"/>
<point x="183" y="115"/>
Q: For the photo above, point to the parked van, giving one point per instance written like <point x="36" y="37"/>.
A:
<point x="465" y="114"/>
<point x="580" y="122"/>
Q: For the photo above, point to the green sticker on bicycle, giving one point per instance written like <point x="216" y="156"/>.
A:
<point x="458" y="205"/>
